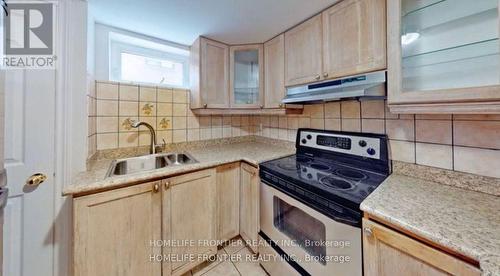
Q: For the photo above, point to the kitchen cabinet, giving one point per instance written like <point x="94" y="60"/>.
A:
<point x="347" y="39"/>
<point x="274" y="70"/>
<point x="303" y="52"/>
<point x="249" y="206"/>
<point x="228" y="201"/>
<point x="246" y="76"/>
<point x="443" y="56"/>
<point x="209" y="74"/>
<point x="189" y="219"/>
<point x="354" y="38"/>
<point x="113" y="230"/>
<point x="387" y="252"/>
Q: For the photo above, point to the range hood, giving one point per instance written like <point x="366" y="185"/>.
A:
<point x="366" y="85"/>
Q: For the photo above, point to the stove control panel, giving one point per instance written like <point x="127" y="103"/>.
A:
<point x="348" y="144"/>
<point x="333" y="141"/>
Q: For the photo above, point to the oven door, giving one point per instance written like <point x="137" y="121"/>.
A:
<point x="319" y="244"/>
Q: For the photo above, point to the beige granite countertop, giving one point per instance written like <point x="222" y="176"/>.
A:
<point x="253" y="151"/>
<point x="464" y="221"/>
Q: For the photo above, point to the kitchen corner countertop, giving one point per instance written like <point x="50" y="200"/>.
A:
<point x="464" y="221"/>
<point x="253" y="152"/>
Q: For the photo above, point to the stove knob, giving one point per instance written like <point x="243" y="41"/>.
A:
<point x="362" y="143"/>
<point x="309" y="176"/>
<point x="309" y="137"/>
<point x="370" y="151"/>
<point x="304" y="141"/>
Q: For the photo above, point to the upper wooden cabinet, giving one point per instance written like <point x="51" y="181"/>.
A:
<point x="444" y="56"/>
<point x="387" y="252"/>
<point x="347" y="39"/>
<point x="274" y="69"/>
<point x="354" y="38"/>
<point x="303" y="52"/>
<point x="112" y="230"/>
<point x="246" y="76"/>
<point x="209" y="74"/>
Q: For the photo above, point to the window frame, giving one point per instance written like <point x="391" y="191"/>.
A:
<point x="116" y="48"/>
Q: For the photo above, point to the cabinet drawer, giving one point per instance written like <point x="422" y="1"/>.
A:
<point x="387" y="252"/>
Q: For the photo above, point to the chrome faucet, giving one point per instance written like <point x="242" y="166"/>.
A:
<point x="152" y="147"/>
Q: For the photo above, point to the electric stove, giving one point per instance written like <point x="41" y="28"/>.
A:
<point x="332" y="171"/>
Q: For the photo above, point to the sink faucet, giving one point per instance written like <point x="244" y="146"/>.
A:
<point x="152" y="147"/>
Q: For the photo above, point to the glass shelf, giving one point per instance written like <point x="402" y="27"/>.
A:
<point x="470" y="65"/>
<point x="432" y="13"/>
<point x="469" y="50"/>
<point x="416" y="6"/>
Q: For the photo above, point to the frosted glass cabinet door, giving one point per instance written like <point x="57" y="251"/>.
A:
<point x="449" y="44"/>
<point x="247" y="76"/>
<point x="443" y="51"/>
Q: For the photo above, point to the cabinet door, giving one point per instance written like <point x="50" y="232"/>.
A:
<point x="386" y="252"/>
<point x="303" y="52"/>
<point x="246" y="76"/>
<point x="113" y="231"/>
<point x="274" y="70"/>
<point x="443" y="57"/>
<point x="214" y="72"/>
<point x="249" y="206"/>
<point x="189" y="219"/>
<point x="354" y="36"/>
<point x="228" y="201"/>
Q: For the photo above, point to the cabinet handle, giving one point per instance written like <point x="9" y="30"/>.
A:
<point x="317" y="77"/>
<point x="280" y="105"/>
<point x="368" y="231"/>
<point x="156" y="187"/>
<point x="325" y="75"/>
<point x="205" y="105"/>
<point x="261" y="106"/>
<point x="167" y="185"/>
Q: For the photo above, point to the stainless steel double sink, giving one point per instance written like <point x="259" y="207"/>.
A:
<point x="148" y="163"/>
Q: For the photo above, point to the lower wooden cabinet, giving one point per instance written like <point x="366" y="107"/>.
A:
<point x="113" y="230"/>
<point x="228" y="201"/>
<point x="387" y="252"/>
<point x="249" y="206"/>
<point x="189" y="219"/>
<point x="148" y="229"/>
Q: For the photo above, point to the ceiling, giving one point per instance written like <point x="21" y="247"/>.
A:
<point x="229" y="21"/>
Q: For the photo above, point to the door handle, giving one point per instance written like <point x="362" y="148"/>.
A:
<point x="36" y="179"/>
<point x="368" y="231"/>
<point x="156" y="187"/>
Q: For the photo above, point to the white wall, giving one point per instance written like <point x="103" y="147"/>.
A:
<point x="101" y="47"/>
<point x="90" y="43"/>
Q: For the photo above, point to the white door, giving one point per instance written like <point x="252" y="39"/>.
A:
<point x="29" y="148"/>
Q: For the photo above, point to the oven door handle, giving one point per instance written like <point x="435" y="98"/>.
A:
<point x="346" y="220"/>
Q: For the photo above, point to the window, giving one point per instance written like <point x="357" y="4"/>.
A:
<point x="140" y="61"/>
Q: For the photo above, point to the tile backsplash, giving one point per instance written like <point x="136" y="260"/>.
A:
<point x="114" y="106"/>
<point x="466" y="143"/>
